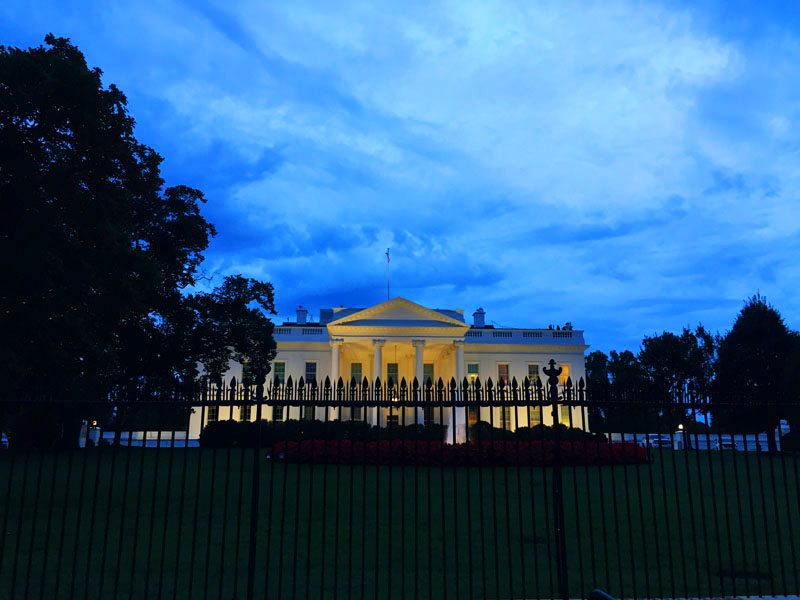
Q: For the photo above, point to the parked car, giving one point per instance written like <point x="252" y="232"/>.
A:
<point x="659" y="440"/>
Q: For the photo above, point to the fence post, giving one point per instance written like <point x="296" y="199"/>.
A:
<point x="254" y="493"/>
<point x="558" y="491"/>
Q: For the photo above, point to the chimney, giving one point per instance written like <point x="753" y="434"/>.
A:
<point x="302" y="314"/>
<point x="478" y="318"/>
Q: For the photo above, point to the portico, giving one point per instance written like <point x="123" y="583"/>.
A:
<point x="396" y="341"/>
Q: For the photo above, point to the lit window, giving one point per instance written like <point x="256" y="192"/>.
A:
<point x="277" y="413"/>
<point x="356" y="374"/>
<point x="505" y="417"/>
<point x="473" y="413"/>
<point x="534" y="412"/>
<point x="564" y="413"/>
<point x="562" y="379"/>
<point x="502" y="372"/>
<point x="213" y="414"/>
<point x="427" y="377"/>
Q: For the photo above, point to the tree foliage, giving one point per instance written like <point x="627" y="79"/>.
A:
<point x="675" y="363"/>
<point x="97" y="255"/>
<point x="757" y="370"/>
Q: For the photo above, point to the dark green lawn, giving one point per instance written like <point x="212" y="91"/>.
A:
<point x="177" y="523"/>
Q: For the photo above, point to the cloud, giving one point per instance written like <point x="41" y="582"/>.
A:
<point x="628" y="167"/>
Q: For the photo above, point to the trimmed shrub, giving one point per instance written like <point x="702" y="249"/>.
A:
<point x="791" y="442"/>
<point x="484" y="454"/>
<point x="246" y="434"/>
<point x="34" y="427"/>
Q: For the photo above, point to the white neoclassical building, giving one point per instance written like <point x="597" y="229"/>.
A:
<point x="400" y="339"/>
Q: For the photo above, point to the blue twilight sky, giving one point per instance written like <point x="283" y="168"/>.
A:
<point x="631" y="167"/>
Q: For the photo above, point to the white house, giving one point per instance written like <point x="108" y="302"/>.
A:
<point x="400" y="339"/>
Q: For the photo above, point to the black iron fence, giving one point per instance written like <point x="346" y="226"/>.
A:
<point x="360" y="490"/>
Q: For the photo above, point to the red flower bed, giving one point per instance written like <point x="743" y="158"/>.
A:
<point x="422" y="453"/>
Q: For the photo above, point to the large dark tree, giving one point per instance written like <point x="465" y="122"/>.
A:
<point x="755" y="371"/>
<point x="96" y="254"/>
<point x="676" y="363"/>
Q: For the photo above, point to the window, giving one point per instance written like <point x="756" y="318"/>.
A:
<point x="392" y="373"/>
<point x="279" y="379"/>
<point x="564" y="414"/>
<point x="502" y="373"/>
<point x="534" y="412"/>
<point x="311" y="373"/>
<point x="244" y="412"/>
<point x="280" y="372"/>
<point x="473" y="412"/>
<point x="505" y="411"/>
<point x="247" y="373"/>
<point x="310" y="378"/>
<point x="356" y="373"/>
<point x="213" y="414"/>
<point x="535" y="415"/>
<point x="533" y="373"/>
<point x="505" y="417"/>
<point x="562" y="379"/>
<point x="427" y="374"/>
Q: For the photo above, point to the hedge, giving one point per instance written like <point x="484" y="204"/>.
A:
<point x="424" y="453"/>
<point x="245" y="434"/>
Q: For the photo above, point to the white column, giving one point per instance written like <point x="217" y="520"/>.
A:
<point x="460" y="370"/>
<point x="458" y="422"/>
<point x="377" y="369"/>
<point x="333" y="411"/>
<point x="419" y="370"/>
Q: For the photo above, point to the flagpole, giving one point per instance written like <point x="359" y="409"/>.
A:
<point x="388" y="296"/>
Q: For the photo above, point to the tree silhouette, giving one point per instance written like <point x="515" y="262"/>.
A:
<point x="96" y="254"/>
<point x="755" y="371"/>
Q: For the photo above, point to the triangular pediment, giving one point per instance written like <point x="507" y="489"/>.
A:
<point x="398" y="312"/>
